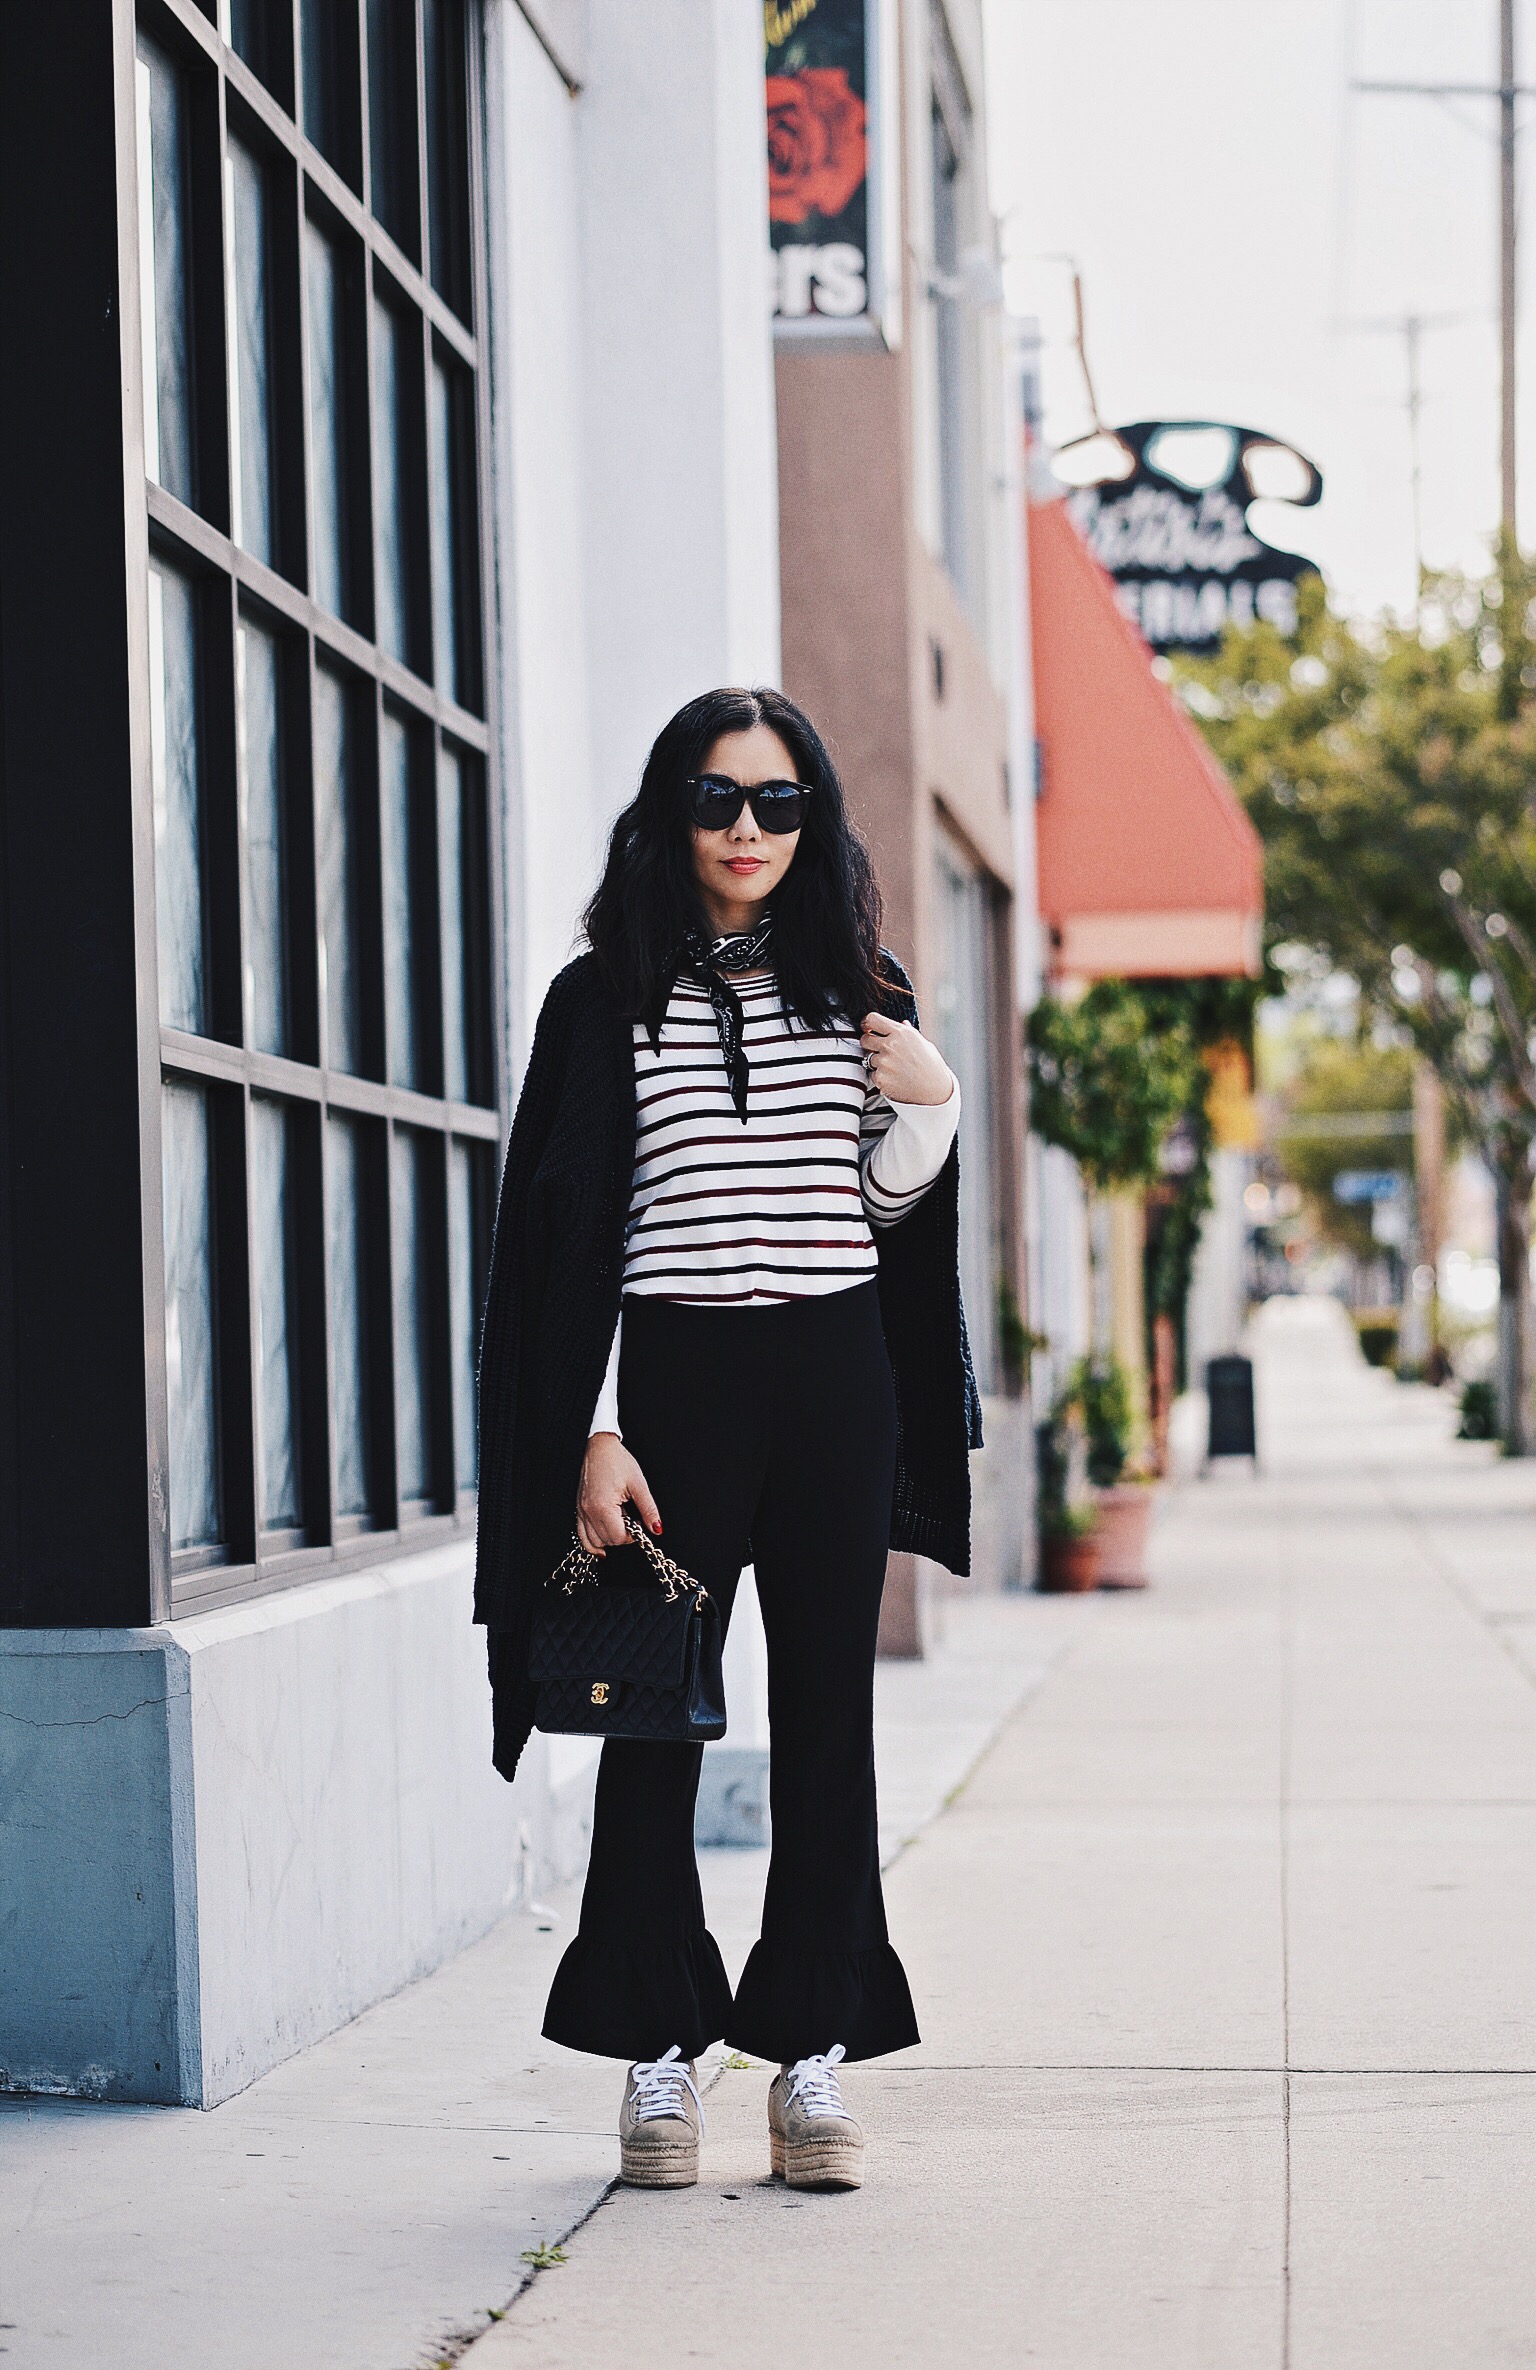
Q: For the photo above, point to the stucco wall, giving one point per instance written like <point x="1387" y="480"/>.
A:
<point x="222" y="1839"/>
<point x="846" y="597"/>
<point x="635" y="507"/>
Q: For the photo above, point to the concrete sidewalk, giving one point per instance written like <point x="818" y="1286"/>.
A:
<point x="366" y="2206"/>
<point x="1226" y="1962"/>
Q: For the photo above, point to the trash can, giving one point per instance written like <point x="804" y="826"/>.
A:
<point x="1229" y="1395"/>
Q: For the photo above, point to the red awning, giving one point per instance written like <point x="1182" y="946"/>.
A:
<point x="1149" y="867"/>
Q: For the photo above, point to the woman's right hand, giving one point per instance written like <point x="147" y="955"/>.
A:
<point x="610" y="1481"/>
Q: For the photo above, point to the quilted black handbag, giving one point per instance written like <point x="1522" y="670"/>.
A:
<point x="633" y="1654"/>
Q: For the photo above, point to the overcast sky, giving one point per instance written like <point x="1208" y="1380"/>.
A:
<point x="1231" y="205"/>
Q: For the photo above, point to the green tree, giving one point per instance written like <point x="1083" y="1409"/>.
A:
<point x="1118" y="1079"/>
<point x="1108" y="1078"/>
<point x="1213" y="1012"/>
<point x="1390" y="772"/>
<point x="1341" y="1076"/>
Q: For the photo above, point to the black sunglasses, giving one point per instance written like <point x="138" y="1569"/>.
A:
<point x="776" y="806"/>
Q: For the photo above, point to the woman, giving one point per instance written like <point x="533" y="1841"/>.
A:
<point x="725" y="1295"/>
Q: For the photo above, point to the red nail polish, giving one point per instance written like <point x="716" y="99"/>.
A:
<point x="656" y="1529"/>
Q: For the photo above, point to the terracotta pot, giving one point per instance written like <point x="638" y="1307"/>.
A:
<point x="1069" y="1567"/>
<point x="1120" y="1534"/>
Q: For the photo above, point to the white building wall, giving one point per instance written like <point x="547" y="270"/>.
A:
<point x="681" y="507"/>
<point x="1218" y="1305"/>
<point x="1060" y="1286"/>
<point x="554" y="819"/>
<point x="636" y="512"/>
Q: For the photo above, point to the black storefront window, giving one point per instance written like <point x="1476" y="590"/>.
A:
<point x="338" y="421"/>
<point x="191" y="1331"/>
<point x="240" y="1302"/>
<point x="272" y="862"/>
<point x="328" y="44"/>
<point x="400" y="479"/>
<point x="176" y="729"/>
<point x="447" y="108"/>
<point x="165" y="231"/>
<point x="342" y="781"/>
<point x="276" y="1167"/>
<point x="261" y="32"/>
<point x="393" y="147"/>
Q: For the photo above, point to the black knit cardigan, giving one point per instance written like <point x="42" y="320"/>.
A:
<point x="556" y="1275"/>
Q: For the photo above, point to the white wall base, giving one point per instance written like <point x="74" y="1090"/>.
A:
<point x="1218" y="1305"/>
<point x="733" y="1785"/>
<point x="1003" y="1499"/>
<point x="221" y="1840"/>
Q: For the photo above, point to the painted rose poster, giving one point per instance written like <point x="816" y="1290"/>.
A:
<point x="818" y="146"/>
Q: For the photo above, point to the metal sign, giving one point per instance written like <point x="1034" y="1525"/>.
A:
<point x="829" y="119"/>
<point x="1357" y="1185"/>
<point x="1163" y="505"/>
<point x="1229" y="1399"/>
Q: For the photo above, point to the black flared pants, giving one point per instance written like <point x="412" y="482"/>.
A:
<point x="768" y="1435"/>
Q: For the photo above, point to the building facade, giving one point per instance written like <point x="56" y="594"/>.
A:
<point x="394" y="450"/>
<point x="900" y="558"/>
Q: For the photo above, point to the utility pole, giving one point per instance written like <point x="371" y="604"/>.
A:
<point x="1413" y="331"/>
<point x="1507" y="267"/>
<point x="1410" y="327"/>
<point x="1507" y="91"/>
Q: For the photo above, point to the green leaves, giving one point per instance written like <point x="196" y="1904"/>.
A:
<point x="1108" y="1078"/>
<point x="1099" y="1389"/>
<point x="1397" y="757"/>
<point x="1339" y="1077"/>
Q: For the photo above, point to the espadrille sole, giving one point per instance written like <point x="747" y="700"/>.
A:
<point x="817" y="2163"/>
<point x="658" y="2168"/>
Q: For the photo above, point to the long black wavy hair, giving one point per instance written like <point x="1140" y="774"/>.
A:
<point x="826" y="910"/>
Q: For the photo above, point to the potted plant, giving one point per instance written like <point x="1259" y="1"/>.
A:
<point x="1069" y="1553"/>
<point x="1123" y="1504"/>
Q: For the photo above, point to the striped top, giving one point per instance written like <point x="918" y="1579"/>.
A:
<point x="779" y="1208"/>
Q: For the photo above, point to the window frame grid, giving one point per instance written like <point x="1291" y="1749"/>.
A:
<point x="343" y="200"/>
<point x="275" y="600"/>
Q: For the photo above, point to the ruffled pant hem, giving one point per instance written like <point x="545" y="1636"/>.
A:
<point x="793" y="2003"/>
<point x="613" y="1999"/>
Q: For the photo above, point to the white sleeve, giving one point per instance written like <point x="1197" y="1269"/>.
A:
<point x="605" y="1415"/>
<point x="903" y="1146"/>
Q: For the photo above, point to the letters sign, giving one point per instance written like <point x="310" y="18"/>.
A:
<point x="1169" y="520"/>
<point x="826" y="116"/>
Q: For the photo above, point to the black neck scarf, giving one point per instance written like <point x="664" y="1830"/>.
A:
<point x="711" y="960"/>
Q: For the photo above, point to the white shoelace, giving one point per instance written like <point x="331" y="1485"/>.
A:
<point x="813" y="2082"/>
<point x="659" y="2086"/>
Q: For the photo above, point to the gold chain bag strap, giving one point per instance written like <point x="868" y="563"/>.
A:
<point x="580" y="1568"/>
<point x="614" y="1655"/>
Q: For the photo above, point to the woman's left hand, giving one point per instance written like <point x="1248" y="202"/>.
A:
<point x="902" y="1063"/>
